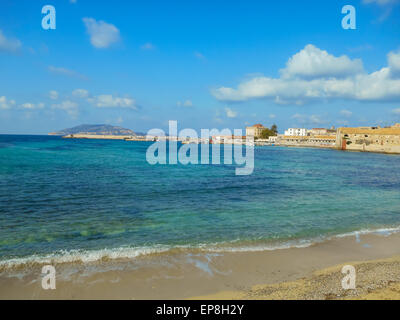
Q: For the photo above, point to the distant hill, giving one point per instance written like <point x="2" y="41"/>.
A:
<point x="101" y="129"/>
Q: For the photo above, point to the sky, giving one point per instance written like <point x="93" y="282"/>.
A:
<point x="207" y="64"/>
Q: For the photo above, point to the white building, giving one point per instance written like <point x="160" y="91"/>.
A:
<point x="298" y="132"/>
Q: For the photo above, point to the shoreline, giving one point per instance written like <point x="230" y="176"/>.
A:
<point x="375" y="280"/>
<point x="125" y="252"/>
<point x="131" y="138"/>
<point x="223" y="275"/>
<point x="330" y="147"/>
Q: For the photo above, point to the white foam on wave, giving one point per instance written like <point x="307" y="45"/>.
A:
<point x="297" y="243"/>
<point x="91" y="256"/>
<point x="380" y="231"/>
<point x="262" y="247"/>
<point x="81" y="256"/>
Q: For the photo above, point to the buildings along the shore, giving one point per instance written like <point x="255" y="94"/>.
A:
<point x="372" y="139"/>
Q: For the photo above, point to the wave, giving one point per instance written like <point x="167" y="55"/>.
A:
<point x="80" y="256"/>
<point x="382" y="231"/>
<point x="123" y="253"/>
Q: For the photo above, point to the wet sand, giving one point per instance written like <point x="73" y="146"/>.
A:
<point x="312" y="272"/>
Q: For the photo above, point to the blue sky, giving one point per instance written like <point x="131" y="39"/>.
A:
<point x="207" y="64"/>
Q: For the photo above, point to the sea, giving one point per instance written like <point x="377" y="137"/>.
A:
<point x="67" y="200"/>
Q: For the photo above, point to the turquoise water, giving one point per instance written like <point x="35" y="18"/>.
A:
<point x="61" y="195"/>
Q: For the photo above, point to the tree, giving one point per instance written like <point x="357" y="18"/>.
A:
<point x="274" y="129"/>
<point x="266" y="133"/>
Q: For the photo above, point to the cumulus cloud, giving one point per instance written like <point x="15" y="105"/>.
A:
<point x="325" y="79"/>
<point x="80" y="93"/>
<point x="53" y="95"/>
<point x="32" y="106"/>
<point x="308" y="119"/>
<point x="346" y="113"/>
<point x="8" y="104"/>
<point x="381" y="2"/>
<point x="187" y="103"/>
<point x="230" y="113"/>
<point x="386" y="5"/>
<point x="5" y="103"/>
<point x="312" y="62"/>
<point x="105" y="100"/>
<point x="68" y="106"/>
<point x="109" y="101"/>
<point x="394" y="62"/>
<point x="102" y="34"/>
<point x="396" y="111"/>
<point x="9" y="44"/>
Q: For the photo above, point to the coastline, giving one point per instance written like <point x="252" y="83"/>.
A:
<point x="292" y="273"/>
<point x="337" y="149"/>
<point x="97" y="137"/>
<point x="139" y="139"/>
<point x="376" y="280"/>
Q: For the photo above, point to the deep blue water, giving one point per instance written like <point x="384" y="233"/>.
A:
<point x="62" y="194"/>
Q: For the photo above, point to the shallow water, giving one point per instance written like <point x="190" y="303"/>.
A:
<point x="100" y="197"/>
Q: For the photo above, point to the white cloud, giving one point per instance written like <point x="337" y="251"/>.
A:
<point x="380" y="2"/>
<point x="66" y="72"/>
<point x="293" y="88"/>
<point x="396" y="111"/>
<point x="342" y="122"/>
<point x="53" y="94"/>
<point x="6" y="104"/>
<point x="272" y="116"/>
<point x="147" y="46"/>
<point x="187" y="103"/>
<point x="394" y="62"/>
<point x="308" y="120"/>
<point x="386" y="5"/>
<point x="346" y="113"/>
<point x="32" y="106"/>
<point x="68" y="106"/>
<point x="315" y="119"/>
<point x="9" y="44"/>
<point x="28" y="105"/>
<point x="80" y="93"/>
<point x="312" y="62"/>
<point x="230" y="113"/>
<point x="102" y="34"/>
<point x="108" y="101"/>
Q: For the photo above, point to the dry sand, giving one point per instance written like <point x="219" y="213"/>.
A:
<point x="376" y="279"/>
<point x="295" y="273"/>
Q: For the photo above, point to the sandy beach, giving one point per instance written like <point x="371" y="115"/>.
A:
<point x="312" y="272"/>
<point x="377" y="280"/>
